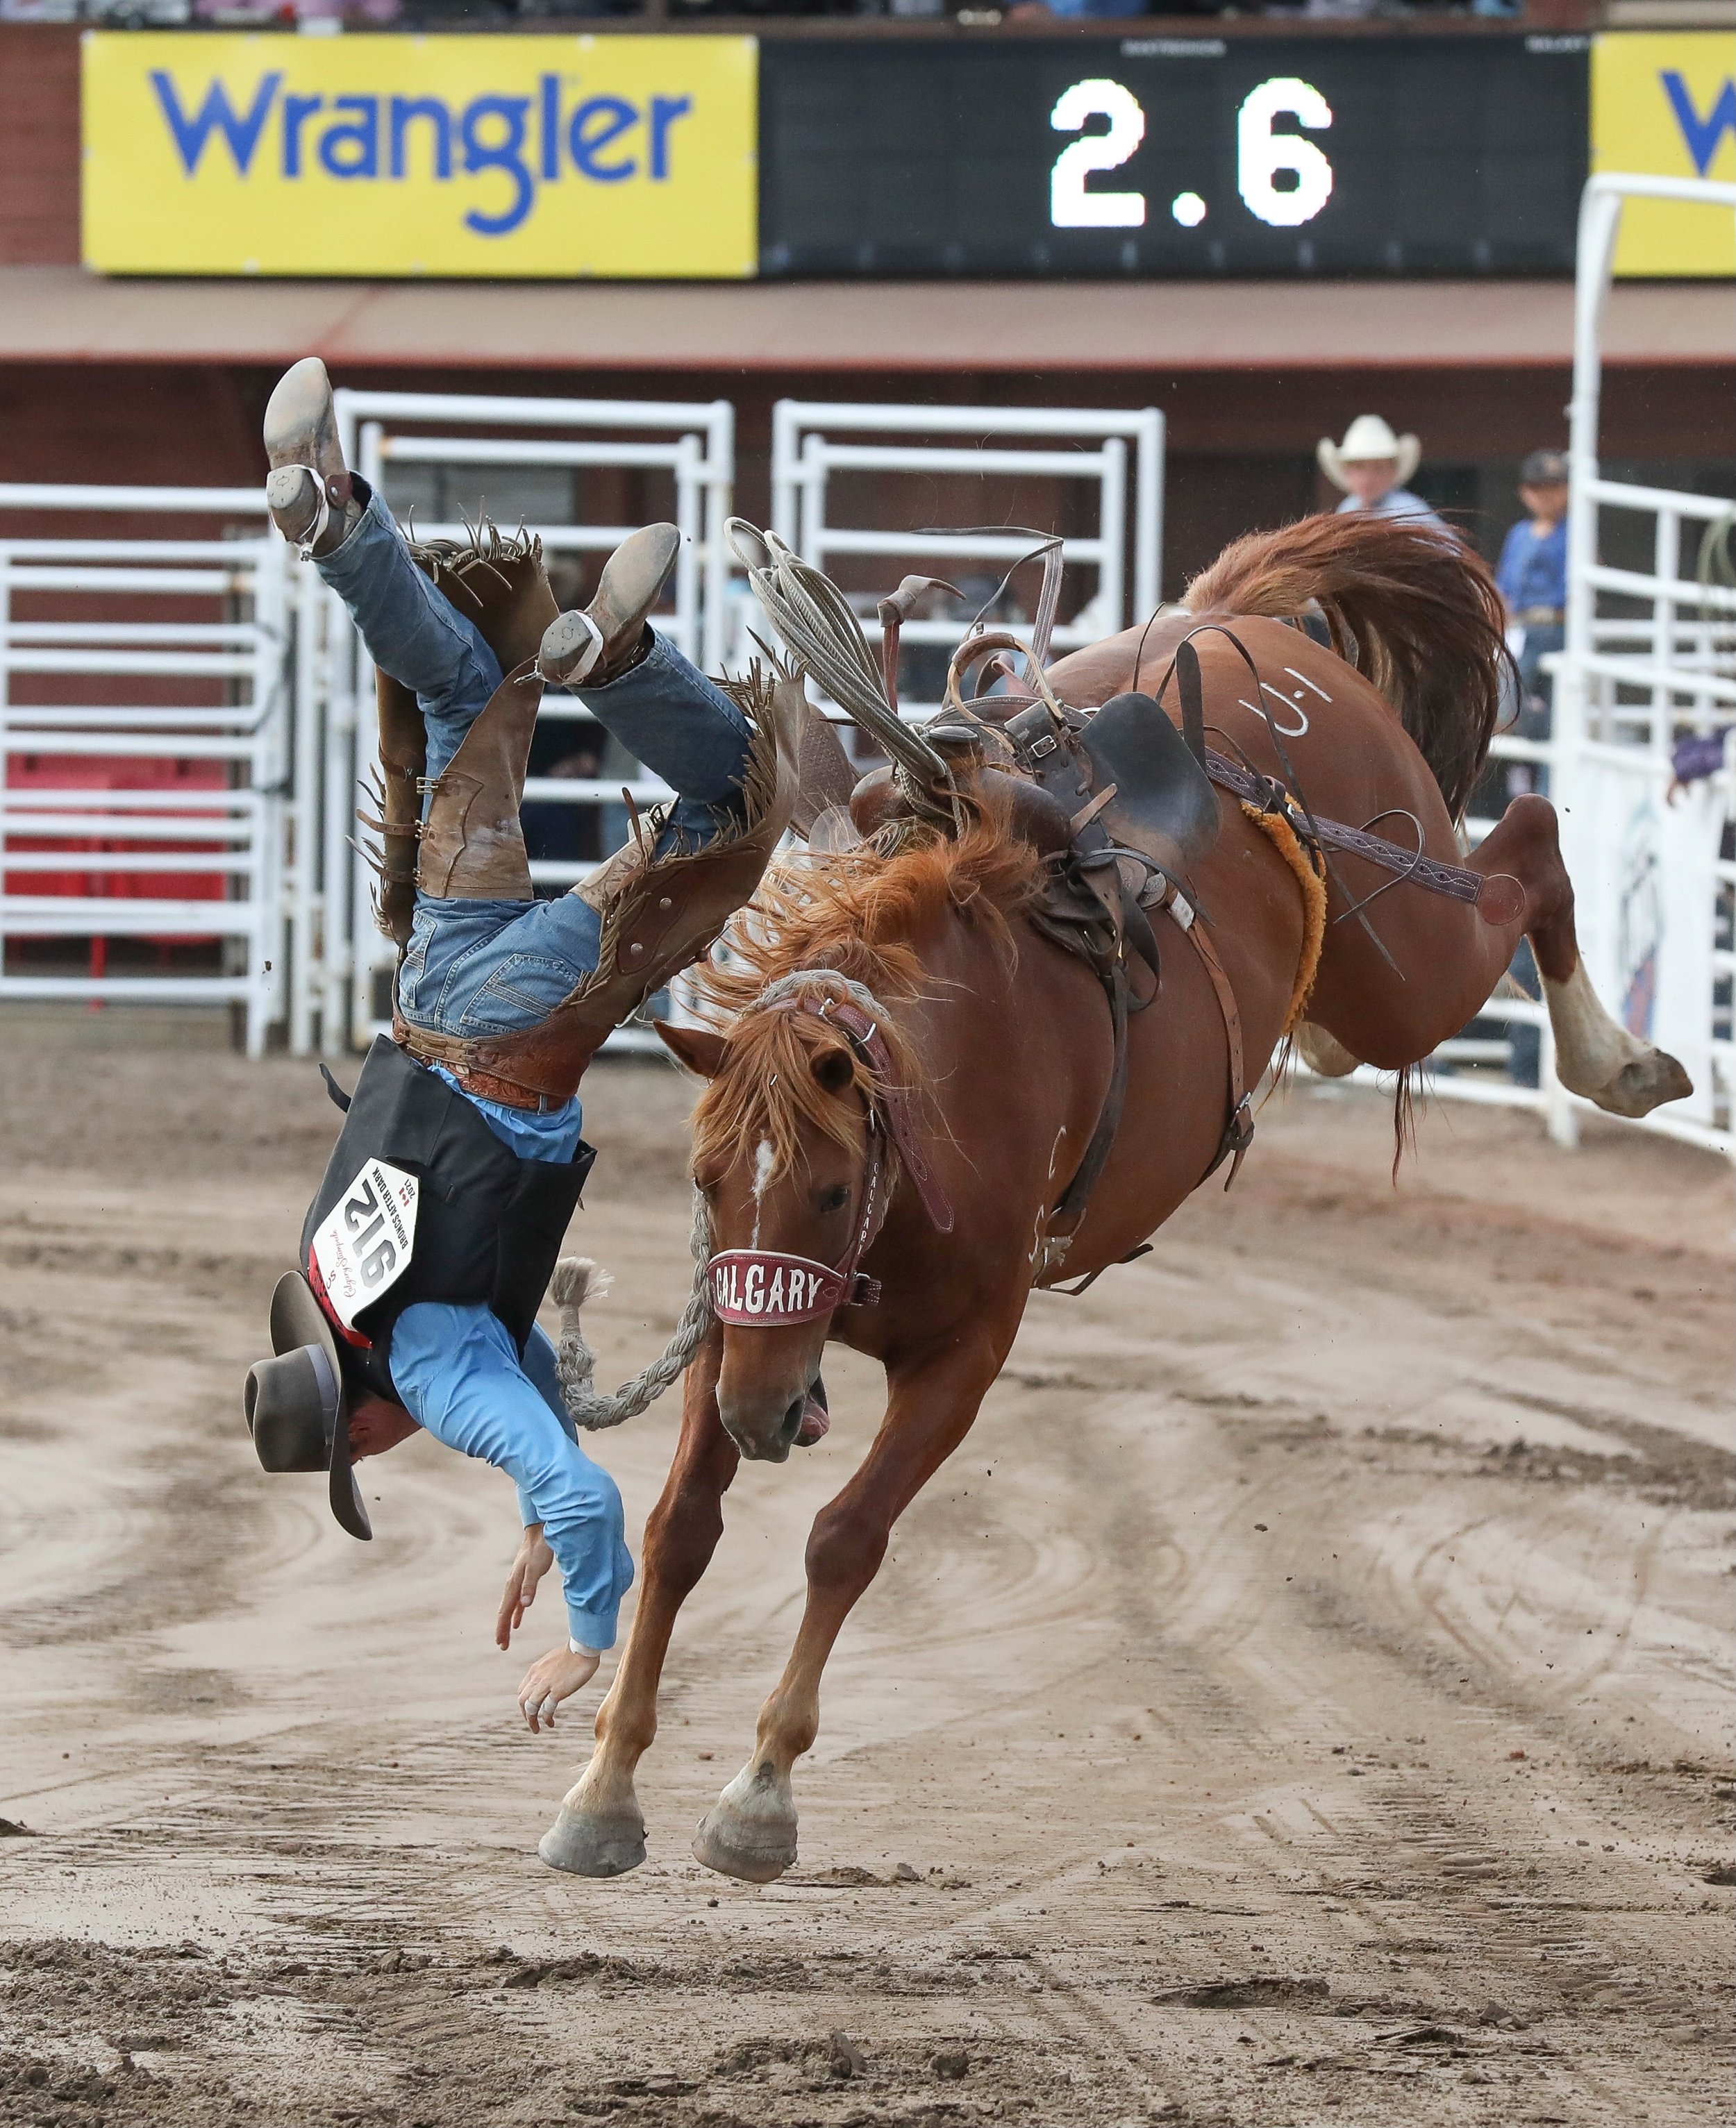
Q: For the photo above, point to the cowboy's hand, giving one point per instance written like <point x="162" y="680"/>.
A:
<point x="551" y="1678"/>
<point x="376" y="1426"/>
<point x="532" y="1562"/>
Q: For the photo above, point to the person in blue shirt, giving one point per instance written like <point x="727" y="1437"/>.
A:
<point x="467" y="1121"/>
<point x="1533" y="578"/>
<point x="1372" y="465"/>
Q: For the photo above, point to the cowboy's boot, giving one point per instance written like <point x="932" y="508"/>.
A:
<point x="309" y="493"/>
<point x="472" y="844"/>
<point x="609" y="636"/>
<point x="472" y="841"/>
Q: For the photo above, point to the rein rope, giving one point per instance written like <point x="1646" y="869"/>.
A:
<point x="576" y="1279"/>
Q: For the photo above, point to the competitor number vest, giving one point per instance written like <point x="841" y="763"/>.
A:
<point x="472" y="1221"/>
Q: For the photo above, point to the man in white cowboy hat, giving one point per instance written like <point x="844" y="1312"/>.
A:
<point x="1372" y="466"/>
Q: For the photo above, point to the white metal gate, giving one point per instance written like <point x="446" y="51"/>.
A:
<point x="390" y="437"/>
<point x="1118" y="456"/>
<point x="106" y="796"/>
<point x="1650" y="657"/>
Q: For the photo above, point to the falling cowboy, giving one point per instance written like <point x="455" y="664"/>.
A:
<point x="429" y="1245"/>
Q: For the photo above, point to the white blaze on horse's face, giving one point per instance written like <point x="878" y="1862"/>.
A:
<point x="763" y="1157"/>
<point x="807" y="1209"/>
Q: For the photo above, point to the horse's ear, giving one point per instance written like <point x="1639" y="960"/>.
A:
<point x="833" y="1068"/>
<point x="697" y="1047"/>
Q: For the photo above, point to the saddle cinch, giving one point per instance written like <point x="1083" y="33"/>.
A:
<point x="1118" y="802"/>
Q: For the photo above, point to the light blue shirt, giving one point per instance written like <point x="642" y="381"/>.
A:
<point x="1534" y="567"/>
<point x="459" y="1376"/>
<point x="1397" y="502"/>
<point x="552" y="1135"/>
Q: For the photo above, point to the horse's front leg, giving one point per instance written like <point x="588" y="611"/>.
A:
<point x="601" y="1831"/>
<point x="750" y="1831"/>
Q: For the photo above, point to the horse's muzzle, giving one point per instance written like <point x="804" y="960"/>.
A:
<point x="763" y="1436"/>
<point x="764" y="1392"/>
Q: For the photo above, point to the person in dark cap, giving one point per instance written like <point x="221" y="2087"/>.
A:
<point x="1533" y="576"/>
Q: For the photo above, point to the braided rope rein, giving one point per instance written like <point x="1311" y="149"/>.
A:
<point x="577" y="1278"/>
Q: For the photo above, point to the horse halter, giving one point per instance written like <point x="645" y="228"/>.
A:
<point x="772" y="1288"/>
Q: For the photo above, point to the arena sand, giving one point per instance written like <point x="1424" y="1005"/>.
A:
<point x="1304" y="1698"/>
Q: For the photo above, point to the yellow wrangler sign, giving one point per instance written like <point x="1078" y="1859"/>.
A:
<point x="500" y="157"/>
<point x="1665" y="105"/>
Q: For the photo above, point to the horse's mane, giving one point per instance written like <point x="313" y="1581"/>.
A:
<point x="860" y="913"/>
<point x="1418" y="614"/>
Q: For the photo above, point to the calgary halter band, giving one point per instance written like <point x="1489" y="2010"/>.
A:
<point x="771" y="1289"/>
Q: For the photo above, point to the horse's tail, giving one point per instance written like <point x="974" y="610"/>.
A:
<point x="1418" y="614"/>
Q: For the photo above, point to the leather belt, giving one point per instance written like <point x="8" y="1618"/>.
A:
<point x="485" y="1085"/>
<point x="1542" y="616"/>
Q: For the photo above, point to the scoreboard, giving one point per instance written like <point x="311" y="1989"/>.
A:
<point x="1173" y="157"/>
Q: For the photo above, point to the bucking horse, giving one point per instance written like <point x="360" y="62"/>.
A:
<point x="990" y="1035"/>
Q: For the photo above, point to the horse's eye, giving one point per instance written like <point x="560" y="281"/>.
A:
<point x="835" y="1198"/>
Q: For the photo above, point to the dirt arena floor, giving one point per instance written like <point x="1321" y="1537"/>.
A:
<point x="1304" y="1699"/>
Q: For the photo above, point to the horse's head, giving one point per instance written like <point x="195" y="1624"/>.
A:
<point x="796" y="1152"/>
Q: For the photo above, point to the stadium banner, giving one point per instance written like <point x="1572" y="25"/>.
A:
<point x="502" y="157"/>
<point x="1665" y="105"/>
<point x="1174" y="157"/>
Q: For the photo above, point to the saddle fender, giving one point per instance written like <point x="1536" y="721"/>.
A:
<point x="1164" y="806"/>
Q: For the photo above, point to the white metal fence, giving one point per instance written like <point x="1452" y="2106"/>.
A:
<point x="1649" y="657"/>
<point x="186" y="724"/>
<point x="175" y="712"/>
<point x="145" y="730"/>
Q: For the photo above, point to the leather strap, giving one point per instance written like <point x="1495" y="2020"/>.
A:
<point x="893" y="613"/>
<point x="1071" y="1208"/>
<point x="1191" y="690"/>
<point x="1457" y="882"/>
<point x="771" y="1289"/>
<point x="1239" y="1131"/>
<point x="485" y="1085"/>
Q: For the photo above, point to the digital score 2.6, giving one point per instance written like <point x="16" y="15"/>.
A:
<point x="1190" y="157"/>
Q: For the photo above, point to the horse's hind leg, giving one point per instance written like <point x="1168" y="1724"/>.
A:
<point x="750" y="1831"/>
<point x="601" y="1831"/>
<point x="1452" y="956"/>
<point x="1595" y="1056"/>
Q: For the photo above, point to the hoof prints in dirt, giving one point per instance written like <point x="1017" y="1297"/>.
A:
<point x="404" y="2036"/>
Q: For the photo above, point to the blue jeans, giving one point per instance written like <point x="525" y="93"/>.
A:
<point x="458" y="1373"/>
<point x="497" y="967"/>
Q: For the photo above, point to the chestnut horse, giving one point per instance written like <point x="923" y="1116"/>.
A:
<point x="994" y="1059"/>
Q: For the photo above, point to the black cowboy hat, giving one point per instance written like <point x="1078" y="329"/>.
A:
<point x="298" y="1404"/>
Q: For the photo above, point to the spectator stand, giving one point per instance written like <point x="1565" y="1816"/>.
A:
<point x="580" y="473"/>
<point x="146" y="816"/>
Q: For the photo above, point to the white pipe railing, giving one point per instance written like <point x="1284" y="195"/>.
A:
<point x="233" y="834"/>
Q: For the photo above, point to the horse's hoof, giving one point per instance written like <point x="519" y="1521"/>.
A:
<point x="755" y="1849"/>
<point x="749" y="1831"/>
<point x="1644" y="1085"/>
<point x="593" y="1847"/>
